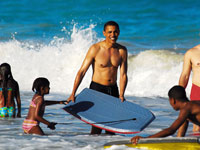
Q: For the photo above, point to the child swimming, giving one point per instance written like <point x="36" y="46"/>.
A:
<point x="9" y="90"/>
<point x="37" y="108"/>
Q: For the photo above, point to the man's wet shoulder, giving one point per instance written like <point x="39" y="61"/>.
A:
<point x="120" y="47"/>
<point x="194" y="49"/>
<point x="96" y="45"/>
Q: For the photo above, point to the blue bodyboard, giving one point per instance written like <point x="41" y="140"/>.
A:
<point x="109" y="113"/>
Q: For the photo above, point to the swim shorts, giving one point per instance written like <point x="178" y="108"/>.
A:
<point x="110" y="90"/>
<point x="7" y="112"/>
<point x="3" y="112"/>
<point x="195" y="93"/>
<point x="11" y="111"/>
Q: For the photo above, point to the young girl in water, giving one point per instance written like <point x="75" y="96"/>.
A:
<point x="37" y="108"/>
<point x="9" y="90"/>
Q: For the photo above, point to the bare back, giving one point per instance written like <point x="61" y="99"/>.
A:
<point x="106" y="63"/>
<point x="194" y="115"/>
<point x="15" y="92"/>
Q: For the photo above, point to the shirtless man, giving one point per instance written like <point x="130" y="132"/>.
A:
<point x="192" y="63"/>
<point x="105" y="58"/>
<point x="188" y="111"/>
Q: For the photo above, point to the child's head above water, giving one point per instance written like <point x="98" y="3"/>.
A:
<point x="5" y="71"/>
<point x="40" y="83"/>
<point x="178" y="92"/>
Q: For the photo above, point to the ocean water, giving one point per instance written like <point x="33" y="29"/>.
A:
<point x="50" y="38"/>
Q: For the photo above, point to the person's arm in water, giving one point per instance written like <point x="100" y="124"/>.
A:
<point x="123" y="74"/>
<point x="187" y="67"/>
<point x="81" y="73"/>
<point x="39" y="118"/>
<point x="18" y="100"/>
<point x="49" y="102"/>
<point x="183" y="115"/>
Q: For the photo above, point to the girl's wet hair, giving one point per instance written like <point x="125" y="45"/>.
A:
<point x="38" y="83"/>
<point x="6" y="75"/>
<point x="5" y="71"/>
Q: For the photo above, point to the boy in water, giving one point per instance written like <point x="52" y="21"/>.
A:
<point x="37" y="108"/>
<point x="189" y="111"/>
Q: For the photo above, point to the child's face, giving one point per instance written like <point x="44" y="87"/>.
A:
<point x="46" y="89"/>
<point x="173" y="103"/>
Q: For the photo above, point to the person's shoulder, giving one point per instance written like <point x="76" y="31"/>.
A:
<point x="197" y="47"/>
<point x="37" y="98"/>
<point x="192" y="107"/>
<point x="195" y="103"/>
<point x="122" y="50"/>
<point x="193" y="50"/>
<point x="189" y="105"/>
<point x="96" y="46"/>
<point x="187" y="108"/>
<point x="189" y="53"/>
<point x="94" y="49"/>
<point x="121" y="47"/>
<point x="13" y="83"/>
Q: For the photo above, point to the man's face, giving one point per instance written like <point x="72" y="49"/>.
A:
<point x="111" y="33"/>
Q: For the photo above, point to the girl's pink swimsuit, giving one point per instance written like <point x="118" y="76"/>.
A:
<point x="29" y="124"/>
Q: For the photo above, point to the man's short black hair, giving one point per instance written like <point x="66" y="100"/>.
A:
<point x="111" y="23"/>
<point x="178" y="92"/>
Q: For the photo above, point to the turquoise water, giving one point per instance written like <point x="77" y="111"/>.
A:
<point x="151" y="24"/>
<point x="51" y="37"/>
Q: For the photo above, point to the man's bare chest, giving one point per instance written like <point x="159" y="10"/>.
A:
<point x="108" y="59"/>
<point x="195" y="60"/>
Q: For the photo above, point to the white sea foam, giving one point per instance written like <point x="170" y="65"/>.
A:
<point x="154" y="72"/>
<point x="151" y="72"/>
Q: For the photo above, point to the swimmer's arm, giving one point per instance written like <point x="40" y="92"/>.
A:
<point x="187" y="67"/>
<point x="18" y="100"/>
<point x="183" y="115"/>
<point x="123" y="74"/>
<point x="183" y="128"/>
<point x="37" y="112"/>
<point x="81" y="73"/>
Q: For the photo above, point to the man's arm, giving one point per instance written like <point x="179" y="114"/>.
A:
<point x="183" y="81"/>
<point x="183" y="115"/>
<point x="123" y="75"/>
<point x="187" y="67"/>
<point x="81" y="73"/>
